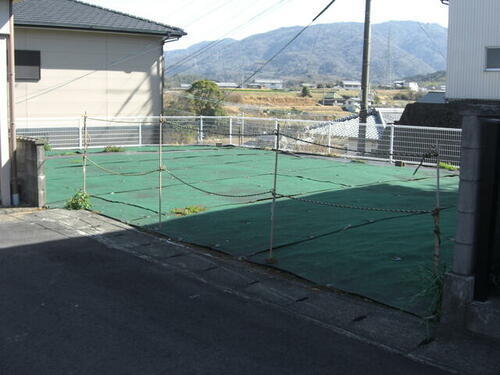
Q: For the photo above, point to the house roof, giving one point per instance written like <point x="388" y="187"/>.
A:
<point x="351" y="83"/>
<point x="433" y="97"/>
<point x="265" y="80"/>
<point x="390" y="115"/>
<point x="73" y="14"/>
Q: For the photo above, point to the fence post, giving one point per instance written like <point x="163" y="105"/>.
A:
<point x="85" y="146"/>
<point x="437" y="214"/>
<point x="140" y="133"/>
<point x="200" y="132"/>
<point x="231" y="130"/>
<point x="80" y="138"/>
<point x="276" y="126"/>
<point x="330" y="125"/>
<point x="160" y="175"/>
<point x="391" y="145"/>
<point x="271" y="259"/>
<point x="242" y="133"/>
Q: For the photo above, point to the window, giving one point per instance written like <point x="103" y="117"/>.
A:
<point x="493" y="58"/>
<point x="27" y="65"/>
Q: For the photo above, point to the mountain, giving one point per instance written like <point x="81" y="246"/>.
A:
<point x="437" y="77"/>
<point x="325" y="51"/>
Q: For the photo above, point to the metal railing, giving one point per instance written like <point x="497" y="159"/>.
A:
<point x="341" y="138"/>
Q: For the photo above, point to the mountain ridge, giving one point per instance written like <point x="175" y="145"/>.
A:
<point x="323" y="52"/>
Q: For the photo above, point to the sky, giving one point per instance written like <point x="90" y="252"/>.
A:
<point x="215" y="19"/>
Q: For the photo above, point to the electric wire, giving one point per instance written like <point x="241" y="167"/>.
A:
<point x="294" y="38"/>
<point x="214" y="43"/>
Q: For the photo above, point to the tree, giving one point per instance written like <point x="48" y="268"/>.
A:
<point x="206" y="98"/>
<point x="306" y="92"/>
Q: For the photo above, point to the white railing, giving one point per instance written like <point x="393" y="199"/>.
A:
<point x="345" y="138"/>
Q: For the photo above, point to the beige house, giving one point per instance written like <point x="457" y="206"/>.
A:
<point x="73" y="57"/>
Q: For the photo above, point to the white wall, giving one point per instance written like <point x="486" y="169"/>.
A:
<point x="128" y="88"/>
<point x="473" y="26"/>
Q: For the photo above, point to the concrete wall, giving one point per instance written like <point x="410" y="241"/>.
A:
<point x="30" y="159"/>
<point x="116" y="84"/>
<point x="465" y="306"/>
<point x="473" y="26"/>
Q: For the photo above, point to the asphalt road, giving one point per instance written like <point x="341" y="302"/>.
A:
<point x="73" y="306"/>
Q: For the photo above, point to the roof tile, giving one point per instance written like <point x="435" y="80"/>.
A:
<point x="73" y="14"/>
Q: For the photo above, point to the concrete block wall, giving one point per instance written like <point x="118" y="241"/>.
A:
<point x="459" y="283"/>
<point x="30" y="161"/>
<point x="461" y="308"/>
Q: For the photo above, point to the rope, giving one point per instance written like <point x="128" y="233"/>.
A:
<point x="339" y="205"/>
<point x="213" y="193"/>
<point x="212" y="132"/>
<point x="125" y="174"/>
<point x="124" y="121"/>
<point x="424" y="156"/>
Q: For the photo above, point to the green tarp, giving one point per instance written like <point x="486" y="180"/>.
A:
<point x="386" y="256"/>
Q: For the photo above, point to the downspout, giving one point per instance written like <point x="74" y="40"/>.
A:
<point x="12" y="114"/>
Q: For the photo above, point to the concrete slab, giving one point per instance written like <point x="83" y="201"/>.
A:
<point x="281" y="292"/>
<point x="191" y="262"/>
<point x="468" y="354"/>
<point x="229" y="278"/>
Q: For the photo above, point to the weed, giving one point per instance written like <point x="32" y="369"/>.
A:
<point x="189" y="210"/>
<point x="113" y="149"/>
<point x="447" y="166"/>
<point x="47" y="147"/>
<point x="433" y="281"/>
<point x="79" y="201"/>
<point x="358" y="161"/>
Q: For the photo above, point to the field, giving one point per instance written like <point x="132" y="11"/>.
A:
<point x="289" y="103"/>
<point x="218" y="197"/>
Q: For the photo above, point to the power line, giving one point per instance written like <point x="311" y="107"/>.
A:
<point x="182" y="7"/>
<point x="295" y="37"/>
<point x="221" y="38"/>
<point x="209" y="12"/>
<point x="65" y="83"/>
<point x="116" y="62"/>
<point x="431" y="40"/>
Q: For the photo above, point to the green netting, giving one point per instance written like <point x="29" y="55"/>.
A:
<point x="386" y="256"/>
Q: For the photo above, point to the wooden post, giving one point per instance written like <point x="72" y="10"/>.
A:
<point x="271" y="259"/>
<point x="437" y="215"/>
<point x="85" y="147"/>
<point x="160" y="174"/>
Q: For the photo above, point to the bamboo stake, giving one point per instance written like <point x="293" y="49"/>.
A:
<point x="85" y="147"/>
<point x="160" y="173"/>
<point x="437" y="214"/>
<point x="271" y="259"/>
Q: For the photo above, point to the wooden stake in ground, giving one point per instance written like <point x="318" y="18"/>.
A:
<point x="85" y="147"/>
<point x="271" y="259"/>
<point x="437" y="214"/>
<point x="160" y="174"/>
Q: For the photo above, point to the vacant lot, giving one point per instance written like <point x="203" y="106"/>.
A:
<point x="357" y="227"/>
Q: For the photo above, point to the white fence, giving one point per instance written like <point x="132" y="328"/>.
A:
<point x="346" y="138"/>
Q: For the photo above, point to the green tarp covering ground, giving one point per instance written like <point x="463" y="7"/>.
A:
<point x="386" y="256"/>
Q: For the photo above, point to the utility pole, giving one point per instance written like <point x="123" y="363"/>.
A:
<point x="365" y="80"/>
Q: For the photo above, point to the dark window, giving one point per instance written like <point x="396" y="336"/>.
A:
<point x="493" y="58"/>
<point x="27" y="65"/>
